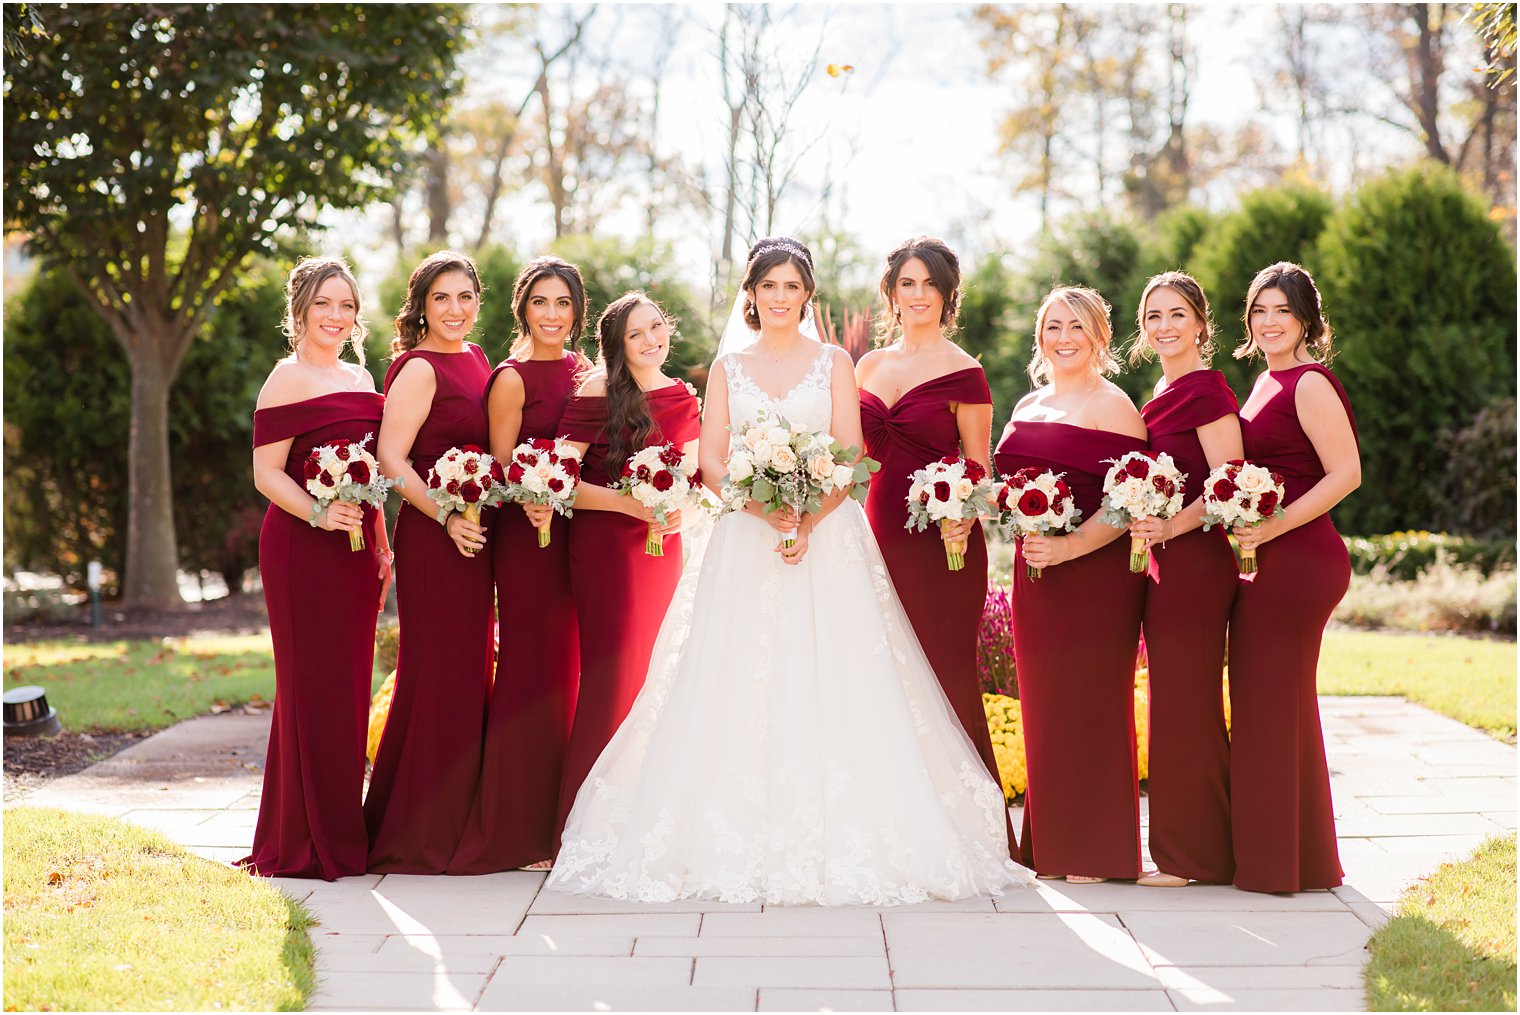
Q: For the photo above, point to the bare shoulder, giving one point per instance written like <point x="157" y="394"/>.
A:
<point x="1315" y="394"/>
<point x="415" y="377"/>
<point x="868" y="363"/>
<point x="508" y="382"/>
<point x="362" y="379"/>
<point x="1113" y="410"/>
<point x="282" y="386"/>
<point x="960" y="359"/>
<point x="841" y="362"/>
<point x="594" y="385"/>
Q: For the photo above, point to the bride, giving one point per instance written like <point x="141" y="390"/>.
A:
<point x="791" y="744"/>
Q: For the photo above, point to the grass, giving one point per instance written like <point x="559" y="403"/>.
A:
<point x="144" y="685"/>
<point x="1451" y="945"/>
<point x="1469" y="679"/>
<point x="103" y="916"/>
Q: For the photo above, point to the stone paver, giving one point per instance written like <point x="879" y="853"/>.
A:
<point x="1412" y="789"/>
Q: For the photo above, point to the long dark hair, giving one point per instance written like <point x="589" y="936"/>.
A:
<point x="1186" y="286"/>
<point x="767" y="254"/>
<point x="411" y="326"/>
<point x="534" y="272"/>
<point x="630" y="425"/>
<point x="1298" y="287"/>
<point x="944" y="270"/>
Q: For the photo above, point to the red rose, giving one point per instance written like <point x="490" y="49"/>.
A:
<point x="553" y="458"/>
<point x="671" y="455"/>
<point x="1159" y="483"/>
<point x="312" y="468"/>
<point x="923" y="498"/>
<point x="1223" y="490"/>
<point x="496" y="473"/>
<point x="1057" y="508"/>
<point x="453" y="487"/>
<point x="950" y="459"/>
<point x="663" y="480"/>
<point x="541" y="443"/>
<point x="941" y="490"/>
<point x="1001" y="503"/>
<point x="974" y="471"/>
<point x="1023" y="477"/>
<point x="471" y="466"/>
<point x="572" y="467"/>
<point x="327" y="480"/>
<point x="642" y="472"/>
<point x="358" y="471"/>
<point x="515" y="473"/>
<point x="1032" y="502"/>
<point x="1277" y="479"/>
<point x="469" y="491"/>
<point x="696" y="477"/>
<point x="485" y="480"/>
<point x="473" y="449"/>
<point x="1171" y="488"/>
<point x="555" y="484"/>
<point x="1268" y="503"/>
<point x="1138" y="468"/>
<point x="1062" y="490"/>
<point x="1237" y="462"/>
<point x="432" y="481"/>
<point x="342" y="452"/>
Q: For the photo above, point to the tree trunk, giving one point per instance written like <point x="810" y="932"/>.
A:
<point x="1426" y="81"/>
<point x="437" y="188"/>
<point x="152" y="552"/>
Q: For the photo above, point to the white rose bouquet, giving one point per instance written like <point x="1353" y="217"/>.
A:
<point x="660" y="478"/>
<point x="348" y="473"/>
<point x="1036" y="501"/>
<point x="543" y="471"/>
<point x="466" y="479"/>
<point x="947" y="491"/>
<point x="777" y="466"/>
<point x="1242" y="493"/>
<point x="1141" y="485"/>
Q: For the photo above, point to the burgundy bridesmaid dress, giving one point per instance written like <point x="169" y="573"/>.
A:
<point x="944" y="606"/>
<point x="621" y="593"/>
<point x="537" y="663"/>
<point x="1281" y="815"/>
<point x="423" y="781"/>
<point x="1186" y="614"/>
<point x="1076" y="633"/>
<point x="322" y="599"/>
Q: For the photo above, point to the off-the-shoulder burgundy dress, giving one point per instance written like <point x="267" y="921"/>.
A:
<point x="322" y="599"/>
<point x="1186" y="615"/>
<point x="1076" y="632"/>
<point x="537" y="662"/>
<point x="621" y="592"/>
<point x="1281" y="813"/>
<point x="944" y="606"/>
<point x="423" y="781"/>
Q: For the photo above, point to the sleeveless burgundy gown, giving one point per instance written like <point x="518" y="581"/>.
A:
<point x="537" y="663"/>
<point x="621" y="593"/>
<point x="1186" y="614"/>
<point x="423" y="780"/>
<point x="1282" y="819"/>
<point x="944" y="606"/>
<point x="322" y="599"/>
<point x="1076" y="633"/>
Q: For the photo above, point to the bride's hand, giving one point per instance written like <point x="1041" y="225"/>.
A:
<point x="783" y="519"/>
<point x="793" y="554"/>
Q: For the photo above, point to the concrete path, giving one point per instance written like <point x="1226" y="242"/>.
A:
<point x="1412" y="789"/>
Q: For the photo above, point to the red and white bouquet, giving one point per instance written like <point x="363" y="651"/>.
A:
<point x="777" y="466"/>
<point x="660" y="478"/>
<point x="543" y="471"/>
<point x="945" y="492"/>
<point x="1141" y="485"/>
<point x="1241" y="493"/>
<point x="1036" y="502"/>
<point x="466" y="479"/>
<point x="348" y="473"/>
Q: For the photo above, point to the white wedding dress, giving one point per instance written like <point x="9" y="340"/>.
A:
<point x="791" y="744"/>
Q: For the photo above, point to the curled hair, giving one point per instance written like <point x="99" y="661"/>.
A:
<point x="630" y="424"/>
<point x="1298" y="287"/>
<point x="534" y="272"/>
<point x="411" y="326"/>
<point x="944" y="271"/>
<point x="770" y="253"/>
<point x="1186" y="286"/>
<point x="1092" y="311"/>
<point x="301" y="287"/>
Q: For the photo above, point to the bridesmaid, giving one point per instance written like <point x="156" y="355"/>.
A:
<point x="933" y="402"/>
<point x="625" y="403"/>
<point x="423" y="781"/>
<point x="538" y="659"/>
<point x="1298" y="422"/>
<point x="1192" y="418"/>
<point x="322" y="596"/>
<point x="1076" y="629"/>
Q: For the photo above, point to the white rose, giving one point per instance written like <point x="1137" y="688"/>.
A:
<point x="963" y="488"/>
<point x="844" y="475"/>
<point x="820" y="468"/>
<point x="533" y="481"/>
<point x="740" y="468"/>
<point x="1253" y="481"/>
<point x="915" y="491"/>
<point x="543" y="468"/>
<point x="777" y="436"/>
<point x="762" y="450"/>
<point x="784" y="459"/>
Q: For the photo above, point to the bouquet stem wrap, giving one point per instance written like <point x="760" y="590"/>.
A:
<point x="1247" y="560"/>
<point x="356" y="538"/>
<point x="1137" y="555"/>
<point x="543" y="536"/>
<point x="955" y="550"/>
<point x="789" y="539"/>
<point x="654" y="545"/>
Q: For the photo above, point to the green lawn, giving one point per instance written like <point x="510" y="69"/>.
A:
<point x="1451" y="946"/>
<point x="1466" y="678"/>
<point x="103" y="916"/>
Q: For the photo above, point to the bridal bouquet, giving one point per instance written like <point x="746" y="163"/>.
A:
<point x="348" y="473"/>
<point x="777" y="466"/>
<point x="1240" y="493"/>
<point x="1141" y="485"/>
<point x="1036" y="501"/>
<point x="659" y="478"/>
<point x="543" y="471"/>
<point x="947" y="491"/>
<point x="466" y="479"/>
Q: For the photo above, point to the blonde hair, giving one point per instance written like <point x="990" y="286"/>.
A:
<point x="301" y="287"/>
<point x="1092" y="311"/>
<point x="1186" y="286"/>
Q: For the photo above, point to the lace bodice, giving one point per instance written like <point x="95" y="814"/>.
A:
<point x="808" y="405"/>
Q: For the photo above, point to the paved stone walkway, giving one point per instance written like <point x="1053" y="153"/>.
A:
<point x="1412" y="789"/>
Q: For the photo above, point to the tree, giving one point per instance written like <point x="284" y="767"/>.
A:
<point x="150" y="152"/>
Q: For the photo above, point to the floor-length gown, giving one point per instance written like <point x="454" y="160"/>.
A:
<point x="1076" y="633"/>
<point x="423" y="780"/>
<point x="322" y="599"/>
<point x="537" y="661"/>
<point x="1187" y="612"/>
<point x="944" y="606"/>
<point x="621" y="592"/>
<point x="1281" y="814"/>
<point x="791" y="745"/>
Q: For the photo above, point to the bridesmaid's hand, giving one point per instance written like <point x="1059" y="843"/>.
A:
<point x="1153" y="530"/>
<point x="467" y="535"/>
<point x="538" y="514"/>
<point x="671" y="524"/>
<point x="958" y="531"/>
<point x="1046" y="551"/>
<point x="793" y="554"/>
<point x="341" y="516"/>
<point x="387" y="561"/>
<point x="783" y="519"/>
<point x="1251" y="536"/>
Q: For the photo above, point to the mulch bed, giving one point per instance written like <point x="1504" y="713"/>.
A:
<point x="32" y="761"/>
<point x="240" y="614"/>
